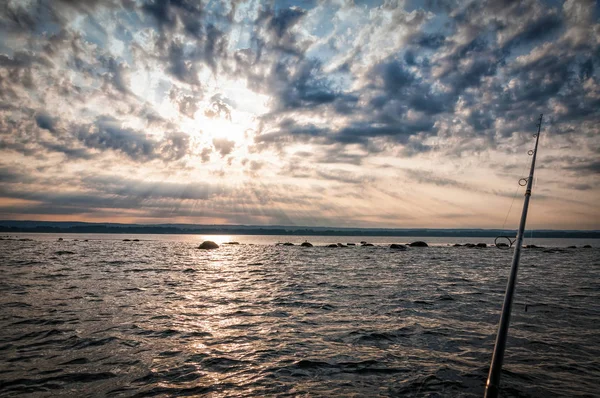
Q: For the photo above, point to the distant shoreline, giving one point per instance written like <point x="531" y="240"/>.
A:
<point x="8" y="227"/>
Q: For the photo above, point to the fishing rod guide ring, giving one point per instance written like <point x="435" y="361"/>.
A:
<point x="502" y="245"/>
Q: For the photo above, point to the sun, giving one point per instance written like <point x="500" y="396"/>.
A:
<point x="222" y="128"/>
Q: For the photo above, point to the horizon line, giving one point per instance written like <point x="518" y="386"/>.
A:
<point x="288" y="226"/>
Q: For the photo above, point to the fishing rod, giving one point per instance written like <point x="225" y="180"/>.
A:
<point x="493" y="381"/>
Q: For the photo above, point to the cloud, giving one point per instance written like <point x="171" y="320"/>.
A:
<point x="108" y="133"/>
<point x="223" y="146"/>
<point x="429" y="177"/>
<point x="343" y="176"/>
<point x="45" y="121"/>
<point x="588" y="168"/>
<point x="319" y="93"/>
<point x="218" y="108"/>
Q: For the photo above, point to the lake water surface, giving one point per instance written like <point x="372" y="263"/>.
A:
<point x="159" y="317"/>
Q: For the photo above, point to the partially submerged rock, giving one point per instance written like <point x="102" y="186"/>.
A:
<point x="63" y="252"/>
<point x="332" y="245"/>
<point x="351" y="244"/>
<point x="501" y="245"/>
<point x="306" y="244"/>
<point x="587" y="246"/>
<point x="366" y="244"/>
<point x="398" y="246"/>
<point x="231" y="243"/>
<point x="481" y="245"/>
<point x="419" y="243"/>
<point x="288" y="244"/>
<point x="208" y="245"/>
<point x="341" y="245"/>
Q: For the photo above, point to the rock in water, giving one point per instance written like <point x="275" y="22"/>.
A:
<point x="306" y="244"/>
<point x="481" y="245"/>
<point x="288" y="244"/>
<point x="341" y="245"/>
<point x="502" y="245"/>
<point x="587" y="246"/>
<point x="419" y="243"/>
<point x="62" y="252"/>
<point x="208" y="244"/>
<point x="366" y="244"/>
<point x="332" y="245"/>
<point x="397" y="246"/>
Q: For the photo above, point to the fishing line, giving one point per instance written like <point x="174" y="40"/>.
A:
<point x="511" y="204"/>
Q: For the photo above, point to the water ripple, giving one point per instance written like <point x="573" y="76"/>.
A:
<point x="160" y="318"/>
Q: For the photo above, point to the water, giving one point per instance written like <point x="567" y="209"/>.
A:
<point x="159" y="317"/>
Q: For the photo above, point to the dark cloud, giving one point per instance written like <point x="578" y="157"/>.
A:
<point x="162" y="12"/>
<point x="402" y="91"/>
<point x="300" y="84"/>
<point x="284" y="19"/>
<point x="69" y="150"/>
<point x="181" y="66"/>
<point x="45" y="121"/>
<point x="277" y="35"/>
<point x="107" y="133"/>
<point x="429" y="40"/>
<point x="587" y="168"/>
<point x="360" y="133"/>
<point x="14" y="174"/>
<point x="536" y="30"/>
<point x="118" y="75"/>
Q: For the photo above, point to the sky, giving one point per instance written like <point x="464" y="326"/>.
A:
<point x="396" y="114"/>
